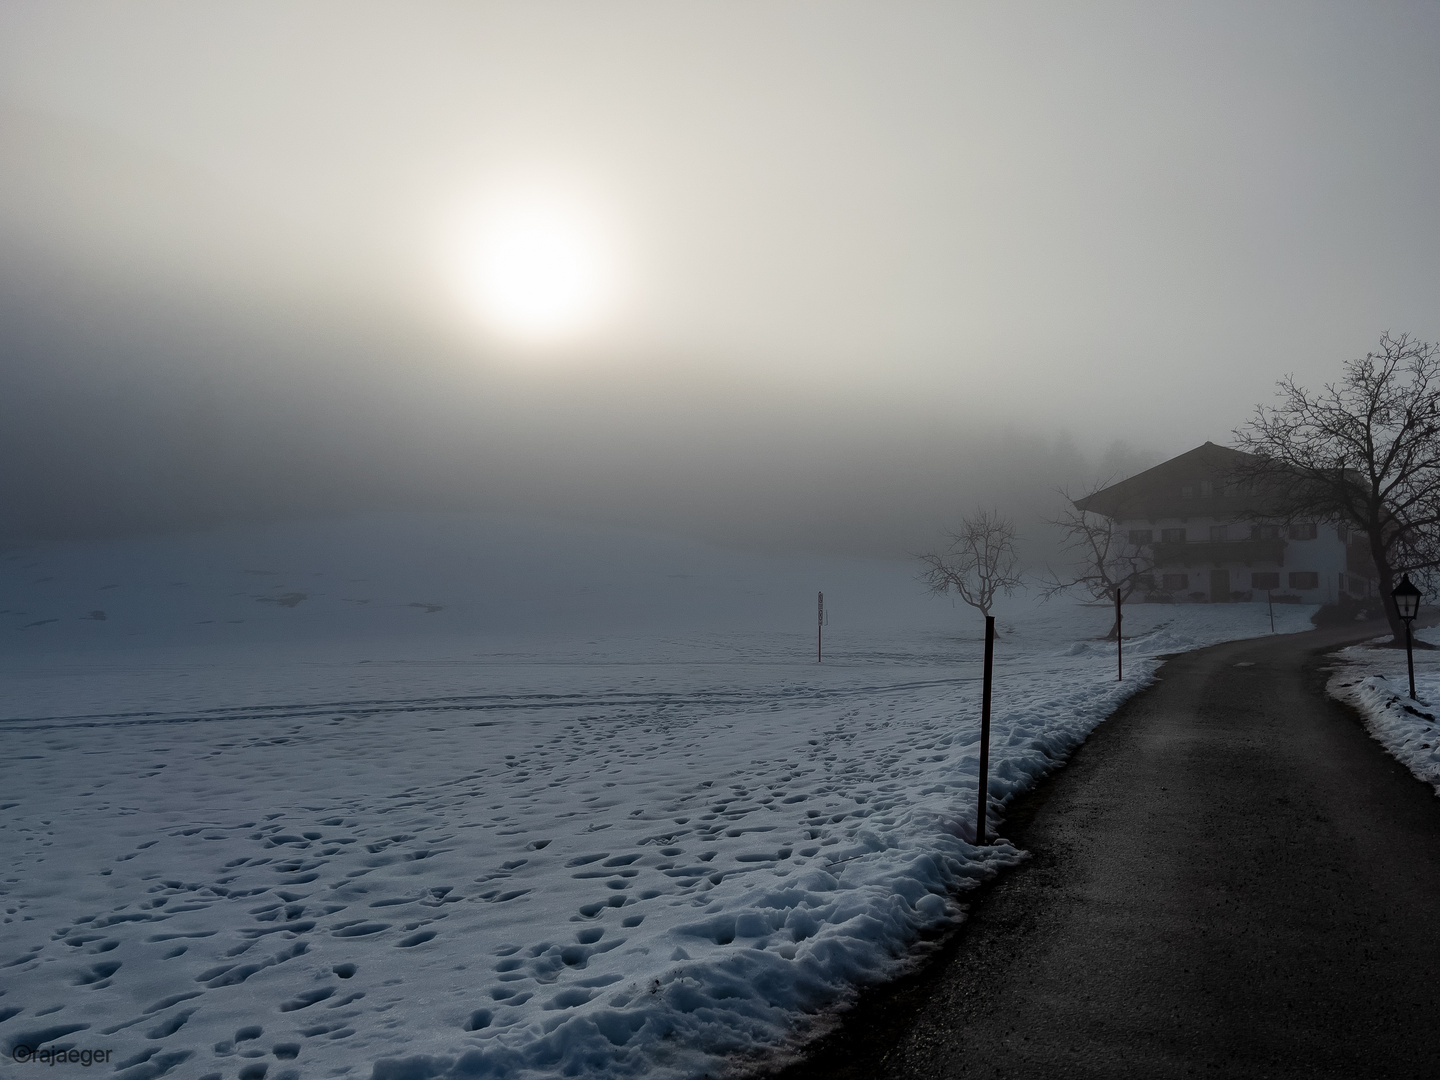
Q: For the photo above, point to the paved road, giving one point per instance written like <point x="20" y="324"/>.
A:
<point x="1230" y="879"/>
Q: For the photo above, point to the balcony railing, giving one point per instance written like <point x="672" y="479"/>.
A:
<point x="1219" y="552"/>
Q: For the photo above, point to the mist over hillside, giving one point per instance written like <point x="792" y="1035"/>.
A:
<point x="110" y="430"/>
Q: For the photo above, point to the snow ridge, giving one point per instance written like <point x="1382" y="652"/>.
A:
<point x="1375" y="683"/>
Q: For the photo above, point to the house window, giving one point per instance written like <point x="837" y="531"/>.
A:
<point x="1207" y="489"/>
<point x="1342" y="582"/>
<point x="1145" y="581"/>
<point x="1342" y="532"/>
<point x="1303" y="531"/>
<point x="1217" y="533"/>
<point x="1187" y="491"/>
<point x="1176" y="582"/>
<point x="1264" y="532"/>
<point x="1305" y="579"/>
<point x="1265" y="579"/>
<point x="1141" y="537"/>
<point x="1172" y="536"/>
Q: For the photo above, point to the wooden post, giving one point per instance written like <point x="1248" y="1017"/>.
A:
<point x="1270" y="599"/>
<point x="985" y="731"/>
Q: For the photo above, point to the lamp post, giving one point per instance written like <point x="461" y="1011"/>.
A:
<point x="1407" y="603"/>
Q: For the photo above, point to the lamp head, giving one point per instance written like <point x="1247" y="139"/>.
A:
<point x="1407" y="598"/>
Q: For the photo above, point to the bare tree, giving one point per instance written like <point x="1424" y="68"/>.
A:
<point x="1106" y="565"/>
<point x="1364" y="451"/>
<point x="979" y="562"/>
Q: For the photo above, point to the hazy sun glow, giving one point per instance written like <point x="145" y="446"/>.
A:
<point x="535" y="267"/>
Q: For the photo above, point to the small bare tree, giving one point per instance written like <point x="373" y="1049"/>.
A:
<point x="1364" y="451"/>
<point x="979" y="561"/>
<point x="1106" y="565"/>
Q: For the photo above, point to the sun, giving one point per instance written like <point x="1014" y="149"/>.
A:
<point x="535" y="267"/>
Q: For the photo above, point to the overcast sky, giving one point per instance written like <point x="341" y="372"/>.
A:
<point x="863" y="264"/>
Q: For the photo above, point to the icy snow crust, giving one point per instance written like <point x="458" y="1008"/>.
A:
<point x="413" y="848"/>
<point x="1375" y="683"/>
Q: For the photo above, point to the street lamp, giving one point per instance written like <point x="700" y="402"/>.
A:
<point x="1407" y="603"/>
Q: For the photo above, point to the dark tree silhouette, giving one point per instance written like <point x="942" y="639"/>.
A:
<point x="1364" y="451"/>
<point x="1104" y="561"/>
<point x="979" y="561"/>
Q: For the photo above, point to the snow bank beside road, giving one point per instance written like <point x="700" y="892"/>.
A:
<point x="1376" y="684"/>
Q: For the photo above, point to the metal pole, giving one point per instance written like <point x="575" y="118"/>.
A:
<point x="1119" y="639"/>
<point x="820" y="630"/>
<point x="1270" y="599"/>
<point x="985" y="731"/>
<point x="1410" y="659"/>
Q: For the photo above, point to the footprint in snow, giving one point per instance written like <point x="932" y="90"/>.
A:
<point x="358" y="929"/>
<point x="98" y="976"/>
<point x="306" y="999"/>
<point x="170" y="1026"/>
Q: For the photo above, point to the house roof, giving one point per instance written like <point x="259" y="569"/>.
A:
<point x="1161" y="492"/>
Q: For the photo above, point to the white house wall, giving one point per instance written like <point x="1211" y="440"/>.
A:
<point x="1324" y="556"/>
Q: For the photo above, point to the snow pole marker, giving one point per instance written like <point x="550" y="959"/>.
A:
<point x="1119" y="641"/>
<point x="820" y="629"/>
<point x="984" y="786"/>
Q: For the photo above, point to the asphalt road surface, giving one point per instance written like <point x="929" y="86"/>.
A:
<point x="1229" y="879"/>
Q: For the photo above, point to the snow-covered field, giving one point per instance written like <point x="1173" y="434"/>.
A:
<point x="1376" y="683"/>
<point x="439" y="797"/>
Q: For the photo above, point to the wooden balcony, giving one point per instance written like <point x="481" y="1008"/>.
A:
<point x="1219" y="553"/>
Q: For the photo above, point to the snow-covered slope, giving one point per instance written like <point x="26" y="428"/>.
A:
<point x="599" y="814"/>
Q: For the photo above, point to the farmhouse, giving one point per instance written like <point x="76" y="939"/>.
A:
<point x="1213" y="539"/>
